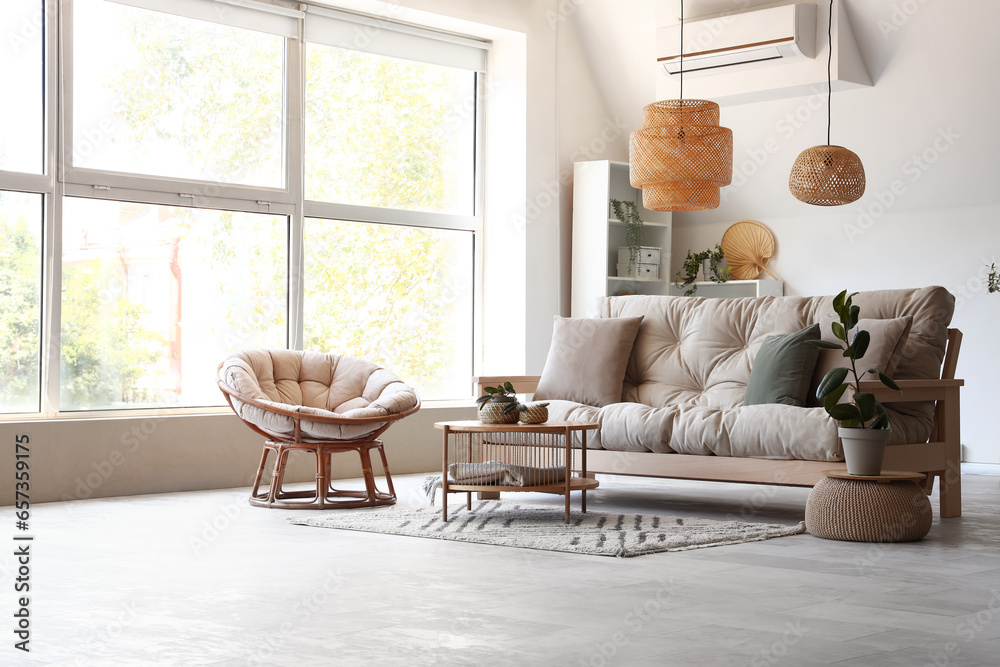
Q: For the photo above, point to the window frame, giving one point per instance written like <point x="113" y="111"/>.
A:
<point x="61" y="179"/>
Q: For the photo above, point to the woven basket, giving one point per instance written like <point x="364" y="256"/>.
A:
<point x="868" y="511"/>
<point x="680" y="157"/>
<point x="535" y="413"/>
<point x="492" y="413"/>
<point x="827" y="176"/>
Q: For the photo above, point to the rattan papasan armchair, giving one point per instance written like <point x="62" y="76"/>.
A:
<point x="318" y="403"/>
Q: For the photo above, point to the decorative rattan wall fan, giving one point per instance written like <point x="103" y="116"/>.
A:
<point x="748" y="247"/>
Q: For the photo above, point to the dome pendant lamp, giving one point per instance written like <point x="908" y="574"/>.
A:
<point x="680" y="157"/>
<point x="827" y="175"/>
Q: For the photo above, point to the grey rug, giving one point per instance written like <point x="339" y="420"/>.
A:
<point x="507" y="523"/>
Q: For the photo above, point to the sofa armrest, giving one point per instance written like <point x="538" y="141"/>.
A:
<point x="523" y="384"/>
<point x="912" y="390"/>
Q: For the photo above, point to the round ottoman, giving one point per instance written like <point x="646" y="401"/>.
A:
<point x="890" y="507"/>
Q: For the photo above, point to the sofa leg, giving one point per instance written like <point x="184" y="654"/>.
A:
<point x="951" y="476"/>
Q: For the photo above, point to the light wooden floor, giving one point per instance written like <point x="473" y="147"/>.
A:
<point x="202" y="578"/>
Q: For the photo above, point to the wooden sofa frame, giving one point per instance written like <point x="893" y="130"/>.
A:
<point x="940" y="457"/>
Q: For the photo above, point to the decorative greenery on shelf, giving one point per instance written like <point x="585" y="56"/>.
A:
<point x="693" y="262"/>
<point x="993" y="280"/>
<point x="628" y="214"/>
<point x="863" y="411"/>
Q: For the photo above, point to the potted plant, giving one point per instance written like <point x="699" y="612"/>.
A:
<point x="499" y="405"/>
<point x="864" y="422"/>
<point x="993" y="280"/>
<point x="694" y="262"/>
<point x="628" y="214"/>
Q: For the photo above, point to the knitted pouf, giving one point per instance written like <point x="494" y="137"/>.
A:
<point x="867" y="510"/>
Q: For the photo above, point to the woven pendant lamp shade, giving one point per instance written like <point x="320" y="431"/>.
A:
<point x="827" y="176"/>
<point x="680" y="157"/>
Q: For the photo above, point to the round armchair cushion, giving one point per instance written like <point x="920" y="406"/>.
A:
<point x="313" y="383"/>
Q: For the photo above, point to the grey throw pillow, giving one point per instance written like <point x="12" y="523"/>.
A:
<point x="783" y="368"/>
<point x="587" y="358"/>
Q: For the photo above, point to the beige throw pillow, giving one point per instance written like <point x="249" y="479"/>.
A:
<point x="884" y="351"/>
<point x="587" y="358"/>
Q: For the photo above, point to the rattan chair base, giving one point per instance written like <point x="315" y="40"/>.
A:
<point x="325" y="496"/>
<point x="868" y="510"/>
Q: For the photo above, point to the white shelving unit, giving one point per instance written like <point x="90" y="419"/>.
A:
<point x="734" y="289"/>
<point x="597" y="235"/>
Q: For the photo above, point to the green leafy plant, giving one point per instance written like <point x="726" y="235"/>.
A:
<point x="502" y="393"/>
<point x="993" y="280"/>
<point x="863" y="411"/>
<point x="692" y="263"/>
<point x="628" y="214"/>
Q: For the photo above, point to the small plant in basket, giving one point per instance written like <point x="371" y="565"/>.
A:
<point x="499" y="405"/>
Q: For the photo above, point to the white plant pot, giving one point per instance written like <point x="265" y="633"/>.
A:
<point x="863" y="449"/>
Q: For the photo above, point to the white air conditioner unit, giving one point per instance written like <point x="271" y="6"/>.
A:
<point x="764" y="34"/>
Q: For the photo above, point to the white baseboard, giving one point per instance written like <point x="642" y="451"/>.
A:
<point x="981" y="469"/>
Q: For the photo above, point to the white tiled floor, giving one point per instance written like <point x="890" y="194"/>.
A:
<point x="204" y="579"/>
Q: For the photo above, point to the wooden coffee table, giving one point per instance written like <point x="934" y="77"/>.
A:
<point x="489" y="457"/>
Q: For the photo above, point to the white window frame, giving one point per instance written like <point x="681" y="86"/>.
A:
<point x="61" y="179"/>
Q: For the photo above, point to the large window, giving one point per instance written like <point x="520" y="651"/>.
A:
<point x="399" y="296"/>
<point x="214" y="175"/>
<point x="388" y="132"/>
<point x="22" y="120"/>
<point x="20" y="301"/>
<point x="174" y="96"/>
<point x="155" y="296"/>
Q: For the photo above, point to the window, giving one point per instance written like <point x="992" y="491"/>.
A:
<point x="154" y="297"/>
<point x="235" y="174"/>
<point x="174" y="96"/>
<point x="402" y="298"/>
<point x="389" y="132"/>
<point x="22" y="116"/>
<point x="20" y="301"/>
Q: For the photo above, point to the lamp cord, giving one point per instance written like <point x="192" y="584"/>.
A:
<point x="682" y="49"/>
<point x="829" y="76"/>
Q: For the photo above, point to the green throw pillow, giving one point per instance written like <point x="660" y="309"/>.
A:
<point x="783" y="368"/>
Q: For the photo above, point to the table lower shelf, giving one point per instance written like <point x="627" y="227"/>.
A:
<point x="575" y="484"/>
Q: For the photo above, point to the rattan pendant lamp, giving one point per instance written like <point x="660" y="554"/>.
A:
<point x="827" y="175"/>
<point x="680" y="157"/>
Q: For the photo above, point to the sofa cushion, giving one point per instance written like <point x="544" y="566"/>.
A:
<point x="586" y="361"/>
<point x="887" y="340"/>
<point x="783" y="369"/>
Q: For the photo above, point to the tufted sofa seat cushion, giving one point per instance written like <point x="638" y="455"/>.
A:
<point x="687" y="375"/>
<point x="313" y="383"/>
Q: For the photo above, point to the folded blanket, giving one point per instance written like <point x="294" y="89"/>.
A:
<point x="495" y="473"/>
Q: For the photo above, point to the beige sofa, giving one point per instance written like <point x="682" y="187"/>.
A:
<point x="681" y="413"/>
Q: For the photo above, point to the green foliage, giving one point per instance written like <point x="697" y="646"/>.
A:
<point x="863" y="411"/>
<point x="628" y="214"/>
<point x="106" y="350"/>
<point x="502" y="393"/>
<point x="20" y="339"/>
<point x="993" y="280"/>
<point x="693" y="262"/>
